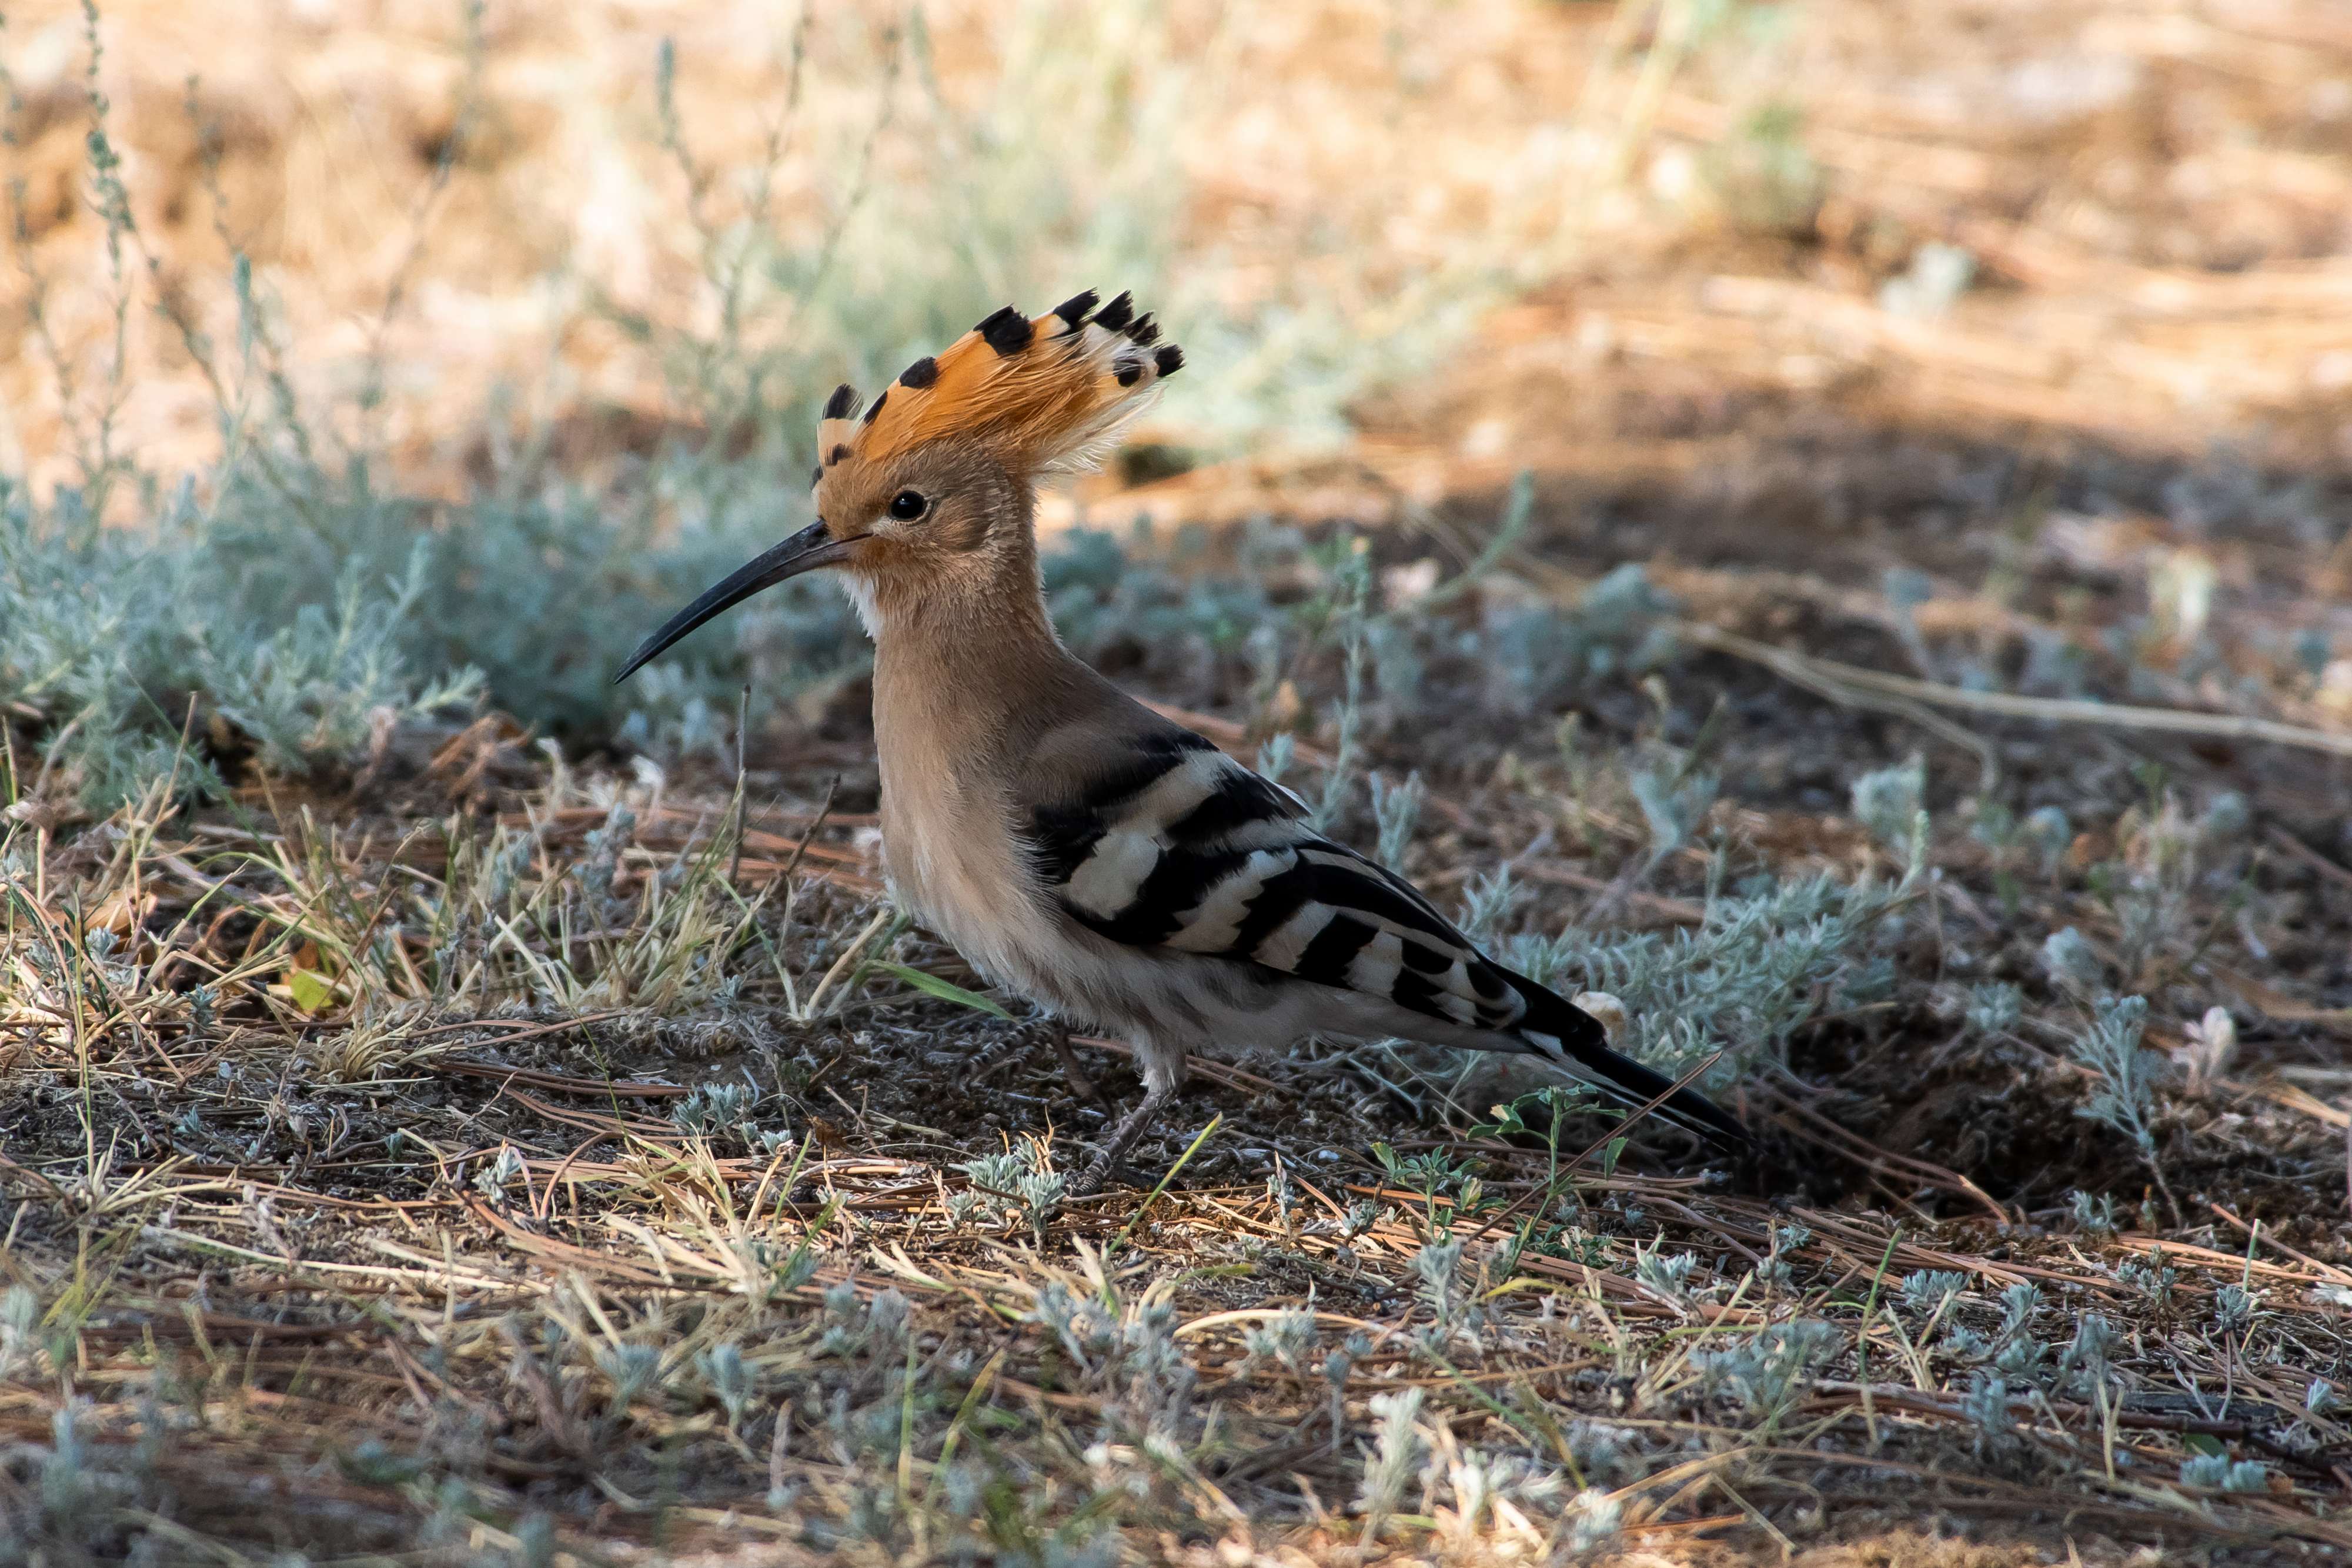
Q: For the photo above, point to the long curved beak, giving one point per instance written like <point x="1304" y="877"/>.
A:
<point x="805" y="551"/>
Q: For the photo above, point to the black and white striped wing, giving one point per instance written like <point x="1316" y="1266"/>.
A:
<point x="1183" y="847"/>
<point x="1180" y="847"/>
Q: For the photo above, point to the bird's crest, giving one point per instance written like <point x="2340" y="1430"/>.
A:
<point x="1046" y="396"/>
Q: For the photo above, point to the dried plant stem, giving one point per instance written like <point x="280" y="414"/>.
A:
<point x="1831" y="676"/>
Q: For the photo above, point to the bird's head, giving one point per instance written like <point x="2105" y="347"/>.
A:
<point x="928" y="487"/>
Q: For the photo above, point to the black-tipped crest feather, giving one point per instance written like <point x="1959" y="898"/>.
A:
<point x="1039" y="401"/>
<point x="1007" y="331"/>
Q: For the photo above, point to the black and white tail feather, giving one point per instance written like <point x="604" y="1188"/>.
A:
<point x="1174" y="846"/>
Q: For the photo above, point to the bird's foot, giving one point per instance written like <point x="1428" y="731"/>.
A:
<point x="1113" y="1152"/>
<point x="1092" y="1179"/>
<point x="1058" y="1033"/>
<point x="1100" y="1174"/>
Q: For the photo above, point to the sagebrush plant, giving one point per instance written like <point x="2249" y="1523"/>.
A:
<point x="124" y="640"/>
<point x="1888" y="802"/>
<point x="2122" y="1095"/>
<point x="1759" y="965"/>
<point x="2123" y="1077"/>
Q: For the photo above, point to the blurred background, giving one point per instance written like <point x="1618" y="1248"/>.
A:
<point x="557" y="288"/>
<point x="2117" y="218"/>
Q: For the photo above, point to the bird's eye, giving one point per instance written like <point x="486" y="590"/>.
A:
<point x="909" y="505"/>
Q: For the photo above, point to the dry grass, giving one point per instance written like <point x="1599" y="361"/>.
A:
<point x="405" y="1236"/>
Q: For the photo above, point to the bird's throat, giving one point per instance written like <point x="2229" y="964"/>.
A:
<point x="959" y="670"/>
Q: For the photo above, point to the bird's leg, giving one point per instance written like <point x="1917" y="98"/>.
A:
<point x="1121" y="1139"/>
<point x="1059" y="1033"/>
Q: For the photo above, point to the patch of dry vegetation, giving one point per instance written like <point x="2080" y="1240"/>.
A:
<point x="599" y="1177"/>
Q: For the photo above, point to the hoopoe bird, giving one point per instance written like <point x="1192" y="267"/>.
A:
<point x="1075" y="847"/>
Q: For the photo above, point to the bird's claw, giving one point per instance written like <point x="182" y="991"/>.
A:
<point x="1098" y="1174"/>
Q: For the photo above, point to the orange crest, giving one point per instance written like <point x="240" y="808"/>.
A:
<point x="1042" y="397"/>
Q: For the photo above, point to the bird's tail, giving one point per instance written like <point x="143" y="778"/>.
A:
<point x="1571" y="1039"/>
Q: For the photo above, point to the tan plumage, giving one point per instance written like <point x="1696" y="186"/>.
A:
<point x="1075" y="847"/>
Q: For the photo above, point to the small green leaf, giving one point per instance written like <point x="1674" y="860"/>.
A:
<point x="312" y="992"/>
<point x="2203" y="1443"/>
<point x="946" y="990"/>
<point x="1507" y="1119"/>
